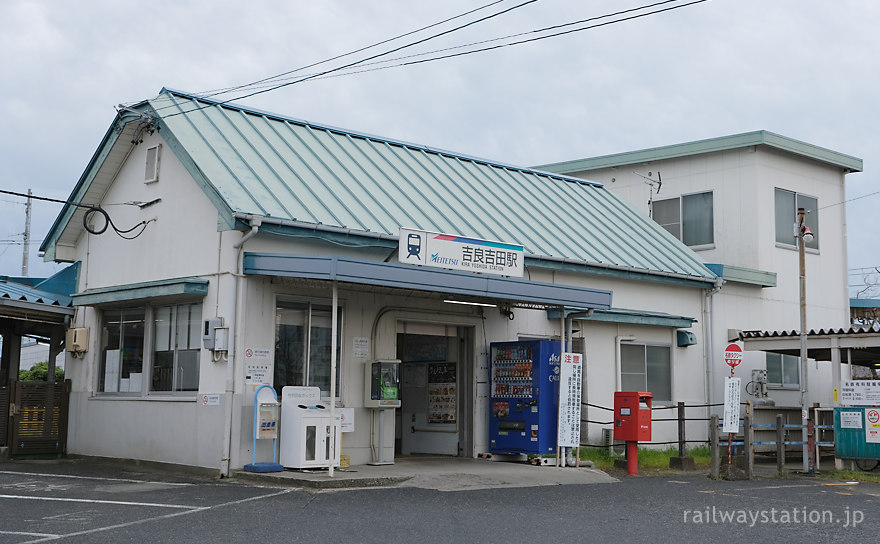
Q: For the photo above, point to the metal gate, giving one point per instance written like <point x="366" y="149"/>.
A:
<point x="38" y="418"/>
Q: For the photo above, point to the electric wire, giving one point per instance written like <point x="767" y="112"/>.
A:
<point x="90" y="209"/>
<point x="332" y="72"/>
<point x="260" y="84"/>
<point x="215" y="92"/>
<point x="377" y="55"/>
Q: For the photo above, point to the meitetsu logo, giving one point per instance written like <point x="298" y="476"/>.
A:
<point x="436" y="258"/>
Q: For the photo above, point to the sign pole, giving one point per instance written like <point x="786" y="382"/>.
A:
<point x="733" y="357"/>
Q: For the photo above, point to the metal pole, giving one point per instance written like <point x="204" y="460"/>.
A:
<point x="803" y="301"/>
<point x="333" y="333"/>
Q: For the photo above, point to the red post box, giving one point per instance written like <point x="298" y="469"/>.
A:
<point x="632" y="416"/>
<point x="632" y="423"/>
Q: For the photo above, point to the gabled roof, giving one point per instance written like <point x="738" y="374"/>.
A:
<point x="301" y="177"/>
<point x="724" y="143"/>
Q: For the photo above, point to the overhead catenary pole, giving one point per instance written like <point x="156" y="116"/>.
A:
<point x="27" y="235"/>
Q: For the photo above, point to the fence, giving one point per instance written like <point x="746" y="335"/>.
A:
<point x="747" y="441"/>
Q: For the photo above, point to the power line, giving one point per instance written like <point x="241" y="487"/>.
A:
<point x="306" y="78"/>
<point x="325" y="74"/>
<point x="95" y="209"/>
<point x="214" y="92"/>
<point x="462" y="46"/>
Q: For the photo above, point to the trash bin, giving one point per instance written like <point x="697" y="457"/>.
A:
<point x="306" y="430"/>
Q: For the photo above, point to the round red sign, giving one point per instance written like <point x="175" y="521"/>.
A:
<point x="733" y="355"/>
<point x="873" y="416"/>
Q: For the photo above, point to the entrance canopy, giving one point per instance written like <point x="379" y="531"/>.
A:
<point x="458" y="285"/>
<point x="858" y="345"/>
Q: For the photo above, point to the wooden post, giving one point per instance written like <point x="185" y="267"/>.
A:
<point x="681" y="437"/>
<point x="780" y="443"/>
<point x="748" y="449"/>
<point x="713" y="446"/>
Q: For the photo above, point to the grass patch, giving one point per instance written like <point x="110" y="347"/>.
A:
<point x="850" y="475"/>
<point x="649" y="458"/>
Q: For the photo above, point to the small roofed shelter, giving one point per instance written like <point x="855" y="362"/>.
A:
<point x="858" y="346"/>
<point x="41" y="310"/>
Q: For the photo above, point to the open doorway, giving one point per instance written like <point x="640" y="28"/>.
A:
<point x="436" y="390"/>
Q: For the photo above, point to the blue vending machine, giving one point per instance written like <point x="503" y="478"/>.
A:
<point x="524" y="397"/>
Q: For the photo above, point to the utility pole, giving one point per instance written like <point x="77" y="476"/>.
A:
<point x="27" y="235"/>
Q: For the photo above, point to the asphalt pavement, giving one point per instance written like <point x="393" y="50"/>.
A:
<point x="97" y="501"/>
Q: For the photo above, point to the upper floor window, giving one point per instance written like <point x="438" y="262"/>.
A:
<point x="787" y="204"/>
<point x="688" y="217"/>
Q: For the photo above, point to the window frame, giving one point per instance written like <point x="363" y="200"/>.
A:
<point x="646" y="367"/>
<point x="193" y="331"/>
<point x="306" y="371"/>
<point x="681" y="219"/>
<point x="811" y="220"/>
<point x="147" y="353"/>
<point x="793" y="359"/>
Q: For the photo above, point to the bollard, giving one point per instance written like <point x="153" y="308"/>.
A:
<point x="748" y="447"/>
<point x="713" y="444"/>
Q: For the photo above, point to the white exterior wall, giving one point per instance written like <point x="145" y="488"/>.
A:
<point x="183" y="241"/>
<point x="743" y="182"/>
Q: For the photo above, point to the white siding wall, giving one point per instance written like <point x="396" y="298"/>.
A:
<point x="743" y="183"/>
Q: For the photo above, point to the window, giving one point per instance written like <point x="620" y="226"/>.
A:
<point x="122" y="362"/>
<point x="646" y="368"/>
<point x="783" y="371"/>
<point x="177" y="341"/>
<point x="688" y="217"/>
<point x="787" y="204"/>
<point x="173" y="363"/>
<point x="151" y="172"/>
<point x="303" y="336"/>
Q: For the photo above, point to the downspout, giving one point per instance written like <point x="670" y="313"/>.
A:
<point x="708" y="345"/>
<point x="230" y="363"/>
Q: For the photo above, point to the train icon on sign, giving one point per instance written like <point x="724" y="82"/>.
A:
<point x="414" y="246"/>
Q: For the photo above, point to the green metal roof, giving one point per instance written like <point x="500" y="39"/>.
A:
<point x="760" y="137"/>
<point x="308" y="179"/>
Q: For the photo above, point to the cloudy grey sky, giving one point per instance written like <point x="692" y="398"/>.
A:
<point x="806" y="69"/>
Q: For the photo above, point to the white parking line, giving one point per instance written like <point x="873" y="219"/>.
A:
<point x="188" y="510"/>
<point x="96" y="501"/>
<point x="89" y="478"/>
<point x="18" y="533"/>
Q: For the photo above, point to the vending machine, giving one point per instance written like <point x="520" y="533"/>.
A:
<point x="524" y="397"/>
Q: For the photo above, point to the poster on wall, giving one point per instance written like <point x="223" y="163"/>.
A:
<point x="441" y="392"/>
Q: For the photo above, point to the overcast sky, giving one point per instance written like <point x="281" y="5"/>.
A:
<point x="806" y="69"/>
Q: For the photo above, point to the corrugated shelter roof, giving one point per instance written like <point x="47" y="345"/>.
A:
<point x="301" y="175"/>
<point x="850" y="331"/>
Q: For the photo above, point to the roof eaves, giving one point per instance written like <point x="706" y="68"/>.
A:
<point x="723" y="143"/>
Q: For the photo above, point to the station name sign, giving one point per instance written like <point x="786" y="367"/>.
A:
<point x="460" y="253"/>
